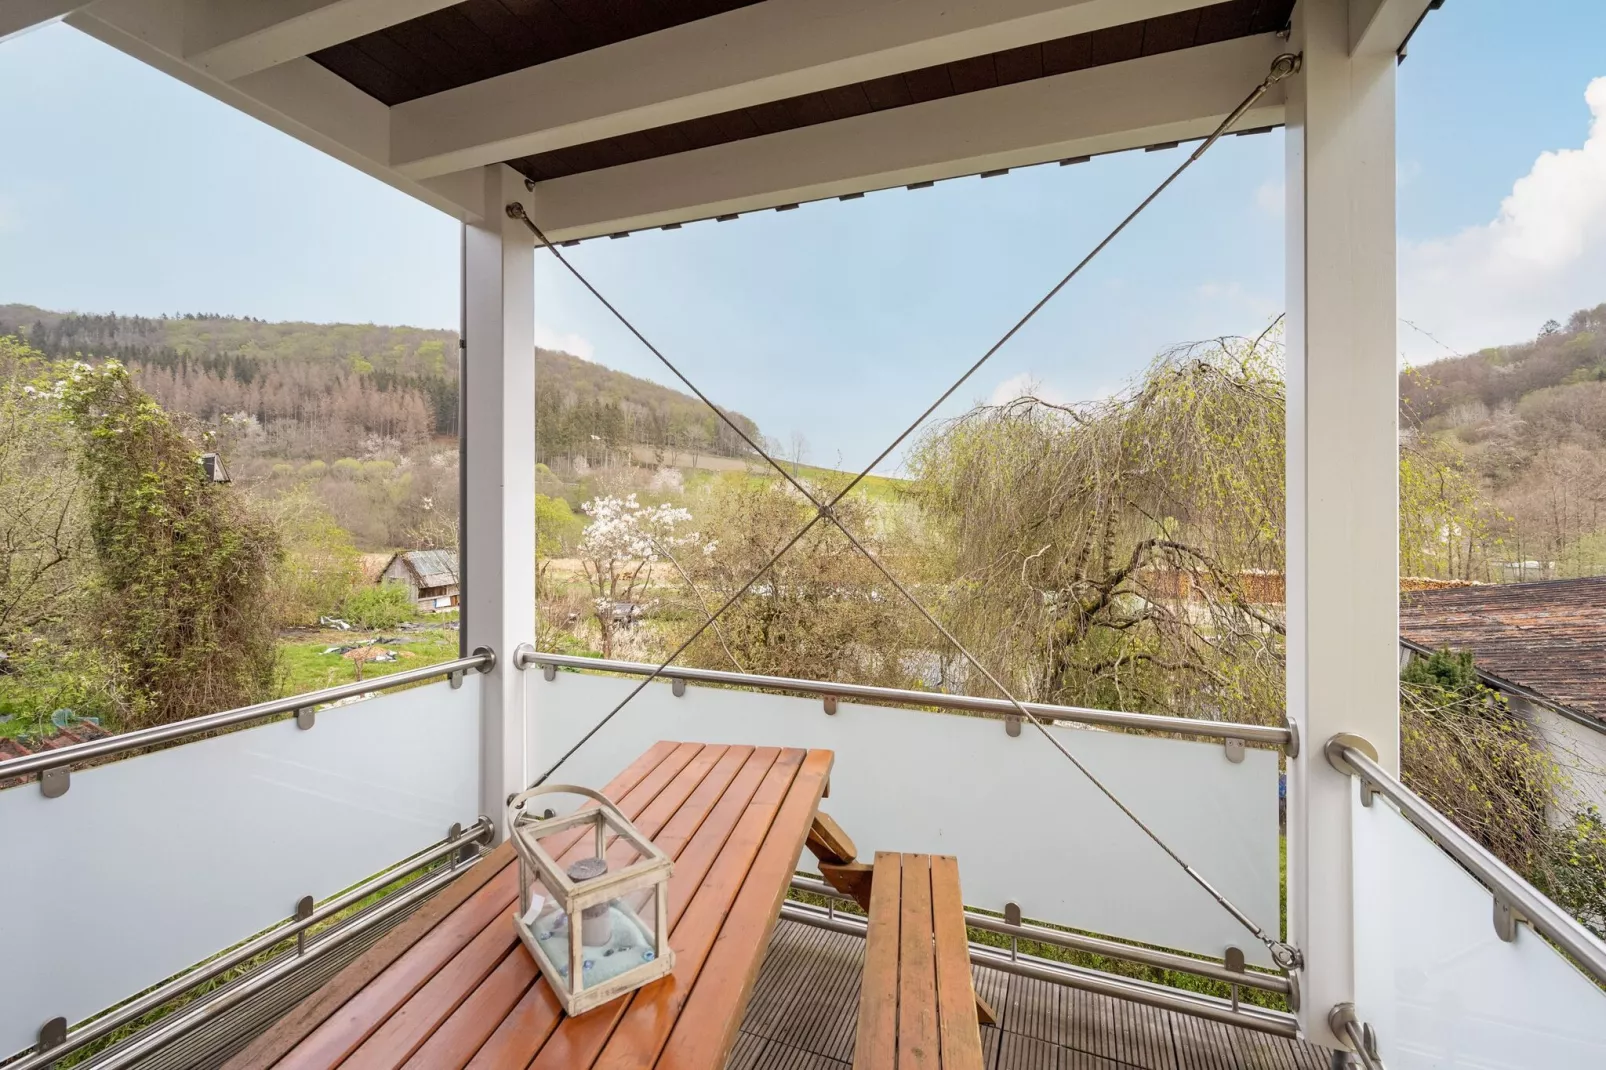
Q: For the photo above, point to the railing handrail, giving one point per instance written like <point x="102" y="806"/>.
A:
<point x="1148" y="722"/>
<point x="482" y="659"/>
<point x="1502" y="881"/>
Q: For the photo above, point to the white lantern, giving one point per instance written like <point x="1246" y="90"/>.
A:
<point x="597" y="927"/>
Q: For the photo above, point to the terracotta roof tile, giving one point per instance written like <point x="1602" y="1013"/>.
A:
<point x="21" y="746"/>
<point x="1547" y="637"/>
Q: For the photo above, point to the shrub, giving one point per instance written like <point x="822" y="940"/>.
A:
<point x="182" y="598"/>
<point x="382" y="606"/>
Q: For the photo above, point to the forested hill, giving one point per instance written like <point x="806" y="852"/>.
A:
<point x="322" y="387"/>
<point x="1533" y="378"/>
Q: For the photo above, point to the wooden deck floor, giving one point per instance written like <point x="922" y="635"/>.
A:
<point x="805" y="1006"/>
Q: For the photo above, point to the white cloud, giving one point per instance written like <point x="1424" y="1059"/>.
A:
<point x="548" y="337"/>
<point x="1271" y="197"/>
<point x="1542" y="257"/>
<point x="1020" y="385"/>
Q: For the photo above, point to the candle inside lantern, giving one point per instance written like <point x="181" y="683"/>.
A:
<point x="596" y="923"/>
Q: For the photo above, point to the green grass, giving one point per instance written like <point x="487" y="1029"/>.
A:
<point x="303" y="665"/>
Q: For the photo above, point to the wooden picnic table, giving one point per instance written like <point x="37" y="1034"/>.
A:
<point x="451" y="986"/>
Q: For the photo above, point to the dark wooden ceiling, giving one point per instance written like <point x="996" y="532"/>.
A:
<point x="483" y="38"/>
<point x="480" y="39"/>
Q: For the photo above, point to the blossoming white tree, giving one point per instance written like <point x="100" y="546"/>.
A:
<point x="619" y="549"/>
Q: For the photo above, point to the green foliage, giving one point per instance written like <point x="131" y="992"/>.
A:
<point x="1449" y="671"/>
<point x="1444" y="518"/>
<point x="182" y="591"/>
<point x="319" y="568"/>
<point x="381" y="605"/>
<point x="1473" y="760"/>
<point x="1105" y="554"/>
<point x="557" y="528"/>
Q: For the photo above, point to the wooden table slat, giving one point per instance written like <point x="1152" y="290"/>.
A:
<point x="959" y="1030"/>
<point x="577" y="1041"/>
<point x="652" y="1011"/>
<point x="918" y="1045"/>
<point x="712" y="1013"/>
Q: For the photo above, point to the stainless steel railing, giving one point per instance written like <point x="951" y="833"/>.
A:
<point x="1283" y="737"/>
<point x="1515" y="898"/>
<point x="482" y="660"/>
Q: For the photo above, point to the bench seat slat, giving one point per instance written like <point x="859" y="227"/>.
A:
<point x="876" y="1045"/>
<point x="956" y="997"/>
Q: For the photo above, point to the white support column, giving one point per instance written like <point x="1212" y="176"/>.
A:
<point x="1343" y="472"/>
<point x="499" y="504"/>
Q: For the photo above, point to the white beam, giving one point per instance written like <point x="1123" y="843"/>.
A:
<point x="499" y="467"/>
<point x="1172" y="97"/>
<point x="17" y="16"/>
<point x="300" y="98"/>
<point x="755" y="54"/>
<point x="1377" y="26"/>
<point x="1343" y="474"/>
<point x="233" y="38"/>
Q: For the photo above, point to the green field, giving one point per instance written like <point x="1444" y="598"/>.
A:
<point x="304" y="666"/>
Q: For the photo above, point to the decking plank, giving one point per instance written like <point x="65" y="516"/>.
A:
<point x="877" y="1044"/>
<point x="919" y="1046"/>
<point x="709" y="1020"/>
<point x="958" y="1028"/>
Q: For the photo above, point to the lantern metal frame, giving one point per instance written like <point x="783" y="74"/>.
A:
<point x="650" y="872"/>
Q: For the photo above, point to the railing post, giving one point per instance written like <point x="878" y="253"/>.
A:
<point x="498" y="509"/>
<point x="1343" y="472"/>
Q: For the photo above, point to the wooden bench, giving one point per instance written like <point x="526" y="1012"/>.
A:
<point x="917" y="1006"/>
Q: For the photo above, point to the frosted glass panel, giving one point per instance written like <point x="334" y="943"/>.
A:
<point x="1024" y="824"/>
<point x="1441" y="989"/>
<point x="151" y="864"/>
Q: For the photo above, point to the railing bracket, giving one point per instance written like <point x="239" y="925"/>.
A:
<point x="1234" y="749"/>
<point x="455" y="679"/>
<point x="830" y="705"/>
<point x="1011" y="724"/>
<point x="303" y="912"/>
<point x="53" y="783"/>
<point x="549" y="671"/>
<point x="1335" y="752"/>
<point x="1291" y="748"/>
<point x="306" y="718"/>
<point x="678" y="686"/>
<point x="488" y="654"/>
<point x="1506" y="920"/>
<point x="53" y="1034"/>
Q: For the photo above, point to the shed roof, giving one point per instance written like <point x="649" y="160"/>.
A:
<point x="430" y="568"/>
<point x="1548" y="638"/>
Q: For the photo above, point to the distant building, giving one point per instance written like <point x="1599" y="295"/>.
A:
<point x="1543" y="646"/>
<point x="429" y="575"/>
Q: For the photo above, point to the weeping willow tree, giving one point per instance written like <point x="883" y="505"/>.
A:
<point x="1127" y="552"/>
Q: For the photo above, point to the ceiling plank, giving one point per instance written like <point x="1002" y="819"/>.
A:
<point x="18" y="16"/>
<point x="753" y="55"/>
<point x="1176" y="96"/>
<point x="233" y="38"/>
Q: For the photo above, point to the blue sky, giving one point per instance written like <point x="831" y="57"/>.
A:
<point x="126" y="191"/>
